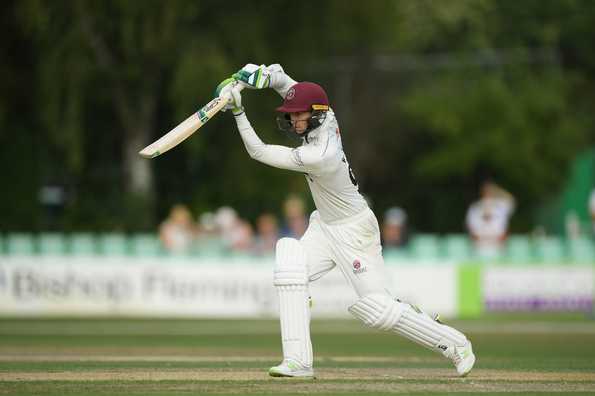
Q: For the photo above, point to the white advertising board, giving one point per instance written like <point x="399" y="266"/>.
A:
<point x="177" y="287"/>
<point x="549" y="288"/>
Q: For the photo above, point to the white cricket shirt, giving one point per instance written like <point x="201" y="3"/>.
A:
<point x="322" y="160"/>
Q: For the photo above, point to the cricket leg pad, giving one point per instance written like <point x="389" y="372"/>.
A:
<point x="383" y="312"/>
<point x="291" y="281"/>
<point x="451" y="343"/>
<point x="379" y="311"/>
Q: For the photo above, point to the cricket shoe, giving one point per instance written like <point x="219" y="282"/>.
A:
<point x="462" y="356"/>
<point x="289" y="368"/>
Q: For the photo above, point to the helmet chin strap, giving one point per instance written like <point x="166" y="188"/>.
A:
<point x="316" y="120"/>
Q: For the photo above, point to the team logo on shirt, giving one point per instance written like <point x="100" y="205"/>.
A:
<point x="297" y="157"/>
<point x="357" y="267"/>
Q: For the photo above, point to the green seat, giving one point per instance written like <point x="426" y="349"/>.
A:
<point x="51" y="243"/>
<point x="581" y="250"/>
<point x="519" y="249"/>
<point x="113" y="244"/>
<point x="425" y="246"/>
<point x="145" y="245"/>
<point x="457" y="246"/>
<point x="20" y="244"/>
<point x="82" y="244"/>
<point x="394" y="255"/>
<point x="209" y="247"/>
<point x="550" y="249"/>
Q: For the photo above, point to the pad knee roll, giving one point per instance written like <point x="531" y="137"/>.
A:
<point x="290" y="263"/>
<point x="377" y="310"/>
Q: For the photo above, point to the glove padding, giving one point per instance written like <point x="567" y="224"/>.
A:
<point x="228" y="89"/>
<point x="254" y="76"/>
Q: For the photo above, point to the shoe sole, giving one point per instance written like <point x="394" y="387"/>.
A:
<point x="297" y="374"/>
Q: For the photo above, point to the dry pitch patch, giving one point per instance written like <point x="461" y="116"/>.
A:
<point x="256" y="380"/>
<point x="364" y="374"/>
<point x="163" y="365"/>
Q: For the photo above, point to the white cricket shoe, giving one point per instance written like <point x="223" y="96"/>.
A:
<point x="462" y="356"/>
<point x="289" y="368"/>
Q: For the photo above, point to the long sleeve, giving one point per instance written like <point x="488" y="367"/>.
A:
<point x="280" y="81"/>
<point x="301" y="159"/>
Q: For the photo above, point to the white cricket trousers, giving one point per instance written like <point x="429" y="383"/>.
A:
<point x="353" y="245"/>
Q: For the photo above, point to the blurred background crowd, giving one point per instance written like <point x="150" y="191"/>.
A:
<point x="485" y="227"/>
<point x="181" y="231"/>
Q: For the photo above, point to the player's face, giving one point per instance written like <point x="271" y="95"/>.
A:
<point x="300" y="120"/>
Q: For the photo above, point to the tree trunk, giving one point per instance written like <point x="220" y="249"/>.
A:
<point x="137" y="170"/>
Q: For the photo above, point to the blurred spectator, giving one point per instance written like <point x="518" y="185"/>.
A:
<point x="592" y="209"/>
<point x="487" y="219"/>
<point x="572" y="224"/>
<point x="296" y="220"/>
<point x="207" y="224"/>
<point x="267" y="234"/>
<point x="394" y="232"/>
<point x="237" y="234"/>
<point x="177" y="231"/>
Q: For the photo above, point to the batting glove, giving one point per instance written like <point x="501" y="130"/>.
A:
<point x="254" y="76"/>
<point x="229" y="90"/>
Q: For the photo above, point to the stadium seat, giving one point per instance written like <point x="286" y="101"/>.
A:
<point x="145" y="245"/>
<point x="519" y="250"/>
<point x="82" y="244"/>
<point x="550" y="249"/>
<point x="581" y="250"/>
<point x="208" y="247"/>
<point x="51" y="243"/>
<point x="20" y="244"/>
<point x="457" y="246"/>
<point x="393" y="255"/>
<point x="425" y="247"/>
<point x="113" y="244"/>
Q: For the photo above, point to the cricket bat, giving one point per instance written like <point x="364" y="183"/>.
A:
<point x="185" y="128"/>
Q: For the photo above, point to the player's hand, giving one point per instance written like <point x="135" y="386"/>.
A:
<point x="254" y="76"/>
<point x="275" y="68"/>
<point x="229" y="90"/>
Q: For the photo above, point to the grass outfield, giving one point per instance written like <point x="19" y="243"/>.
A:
<point x="516" y="354"/>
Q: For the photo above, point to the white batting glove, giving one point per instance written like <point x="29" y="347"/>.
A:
<point x="275" y="68"/>
<point x="253" y="76"/>
<point x="228" y="90"/>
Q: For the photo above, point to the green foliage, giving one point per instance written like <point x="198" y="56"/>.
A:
<point x="431" y="96"/>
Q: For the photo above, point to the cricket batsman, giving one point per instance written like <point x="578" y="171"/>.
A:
<point x="342" y="231"/>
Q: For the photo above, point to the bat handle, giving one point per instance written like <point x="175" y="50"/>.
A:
<point x="239" y="86"/>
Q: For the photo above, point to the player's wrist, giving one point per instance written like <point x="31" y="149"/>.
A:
<point x="237" y="111"/>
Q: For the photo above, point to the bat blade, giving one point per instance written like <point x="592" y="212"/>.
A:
<point x="184" y="129"/>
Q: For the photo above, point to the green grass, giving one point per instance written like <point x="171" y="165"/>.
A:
<point x="517" y="354"/>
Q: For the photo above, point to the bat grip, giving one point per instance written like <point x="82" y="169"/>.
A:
<point x="239" y="86"/>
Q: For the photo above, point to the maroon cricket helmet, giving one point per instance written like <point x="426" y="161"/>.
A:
<point x="304" y="96"/>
